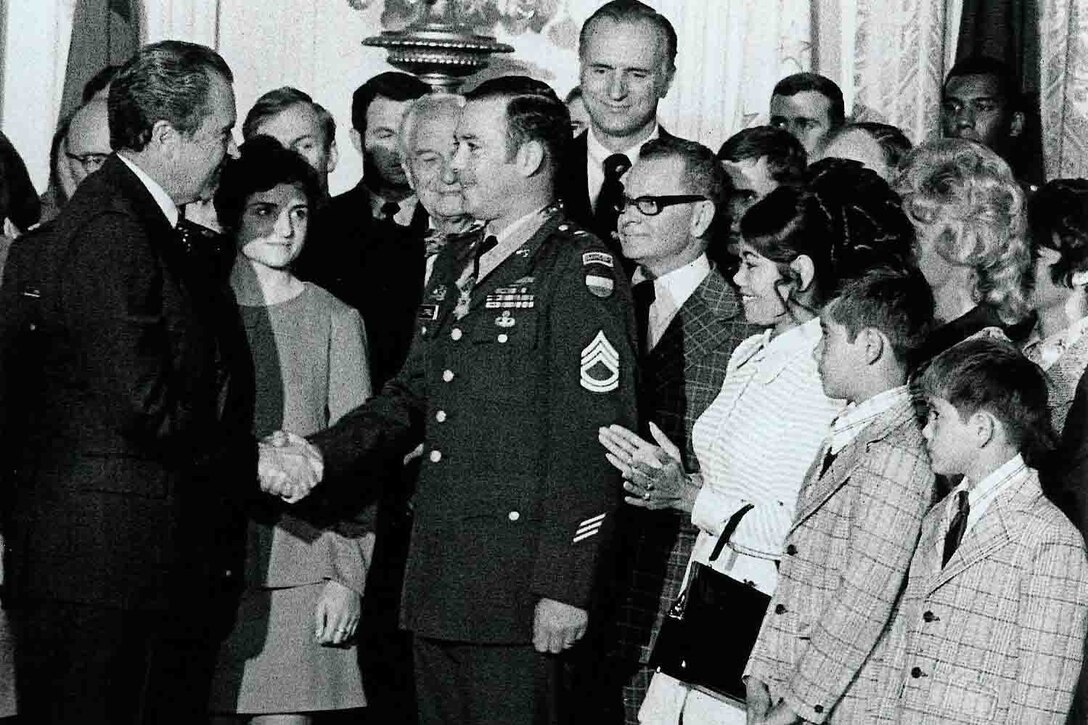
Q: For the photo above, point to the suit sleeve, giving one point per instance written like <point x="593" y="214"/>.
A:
<point x="1054" y="612"/>
<point x="895" y="488"/>
<point x="590" y="382"/>
<point x="114" y="287"/>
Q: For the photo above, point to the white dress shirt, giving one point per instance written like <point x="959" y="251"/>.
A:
<point x="671" y="291"/>
<point x="982" y="494"/>
<point x="169" y="208"/>
<point x="596" y="155"/>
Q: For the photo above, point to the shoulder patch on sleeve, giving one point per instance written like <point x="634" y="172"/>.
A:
<point x="600" y="366"/>
<point x="600" y="285"/>
<point x="604" y="258"/>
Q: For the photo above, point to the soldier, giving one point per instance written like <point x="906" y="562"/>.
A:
<point x="524" y="347"/>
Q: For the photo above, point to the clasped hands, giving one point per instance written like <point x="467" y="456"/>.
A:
<point x="288" y="466"/>
<point x="653" y="475"/>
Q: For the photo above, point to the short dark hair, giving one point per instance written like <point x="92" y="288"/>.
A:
<point x="166" y="81"/>
<point x="893" y="142"/>
<point x="392" y="85"/>
<point x="632" y="11"/>
<point x="533" y="113"/>
<point x="262" y="164"/>
<point x="800" y="82"/>
<point x="981" y="65"/>
<point x="99" y="81"/>
<point x="896" y="302"/>
<point x="989" y="374"/>
<point x="701" y="173"/>
<point x="1058" y="219"/>
<point x="786" y="157"/>
<point x="276" y="101"/>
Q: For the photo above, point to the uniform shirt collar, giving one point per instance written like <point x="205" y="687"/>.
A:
<point x="856" y="416"/>
<point x="162" y="199"/>
<point x="510" y="238"/>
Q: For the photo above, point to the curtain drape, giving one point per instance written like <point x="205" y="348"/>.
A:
<point x="37" y="37"/>
<point x="194" y="20"/>
<point x="1063" y="76"/>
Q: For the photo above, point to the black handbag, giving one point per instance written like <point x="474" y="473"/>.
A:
<point x="709" y="632"/>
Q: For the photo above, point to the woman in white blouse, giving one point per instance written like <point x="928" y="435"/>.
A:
<point x="757" y="439"/>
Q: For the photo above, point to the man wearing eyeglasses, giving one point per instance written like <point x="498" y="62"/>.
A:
<point x="88" y="143"/>
<point x="689" y="321"/>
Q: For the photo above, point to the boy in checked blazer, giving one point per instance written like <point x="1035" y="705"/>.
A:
<point x="858" y="514"/>
<point x="992" y="622"/>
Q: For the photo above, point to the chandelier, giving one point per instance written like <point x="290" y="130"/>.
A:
<point x="438" y="46"/>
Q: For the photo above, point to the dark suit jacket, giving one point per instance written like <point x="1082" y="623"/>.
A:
<point x="376" y="267"/>
<point x="515" y="496"/>
<point x="137" y="447"/>
<point x="574" y="189"/>
<point x="681" y="377"/>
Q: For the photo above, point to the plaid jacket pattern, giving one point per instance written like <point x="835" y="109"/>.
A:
<point x="681" y="376"/>
<point x="997" y="635"/>
<point x="847" y="555"/>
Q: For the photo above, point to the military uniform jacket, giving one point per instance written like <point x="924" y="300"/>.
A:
<point x="997" y="635"/>
<point x="515" y="496"/>
<point x="847" y="555"/>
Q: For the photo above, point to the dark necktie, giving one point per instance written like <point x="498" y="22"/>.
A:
<point x="611" y="192"/>
<point x="829" y="458"/>
<point x="388" y="211"/>
<point x="467" y="280"/>
<point x="644" y="296"/>
<point x="956" y="527"/>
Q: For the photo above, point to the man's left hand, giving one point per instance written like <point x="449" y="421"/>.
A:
<point x="780" y="714"/>
<point x="557" y="626"/>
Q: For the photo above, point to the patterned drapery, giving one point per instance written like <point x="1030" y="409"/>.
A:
<point x="1063" y="79"/>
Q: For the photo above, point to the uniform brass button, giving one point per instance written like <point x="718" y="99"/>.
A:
<point x="916" y="672"/>
<point x="228" y="573"/>
<point x="436" y="456"/>
<point x="564" y="227"/>
<point x="423" y="330"/>
<point x="447" y="375"/>
<point x="791" y="549"/>
<point x="513" y="516"/>
<point x="780" y="609"/>
<point x="440" y="416"/>
<point x="930" y="617"/>
<point x="503" y="337"/>
<point x="456" y="333"/>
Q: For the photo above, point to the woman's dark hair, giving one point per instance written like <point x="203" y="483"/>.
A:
<point x="262" y="164"/>
<point x="1058" y="220"/>
<point x="893" y="142"/>
<point x="847" y="221"/>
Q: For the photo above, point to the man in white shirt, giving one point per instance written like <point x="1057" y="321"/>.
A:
<point x="690" y="320"/>
<point x="627" y="52"/>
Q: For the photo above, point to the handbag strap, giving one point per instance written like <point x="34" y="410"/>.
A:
<point x="727" y="532"/>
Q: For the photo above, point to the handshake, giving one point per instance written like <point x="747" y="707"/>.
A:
<point x="288" y="466"/>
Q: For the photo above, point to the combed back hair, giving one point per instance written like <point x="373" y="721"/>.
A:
<point x="166" y="81"/>
<point x="965" y="193"/>
<point x="262" y="164"/>
<point x="701" y="173"/>
<point x="893" y="142"/>
<point x="392" y="85"/>
<point x="980" y="65"/>
<point x="898" y="303"/>
<point x="633" y="11"/>
<point x="533" y="113"/>
<point x="277" y="101"/>
<point x="800" y="82"/>
<point x="863" y="217"/>
<point x="1058" y="216"/>
<point x="786" y="157"/>
<point x="781" y="227"/>
<point x="99" y="82"/>
<point x="421" y="107"/>
<point x="989" y="374"/>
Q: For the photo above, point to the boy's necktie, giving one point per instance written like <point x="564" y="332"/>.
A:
<point x="956" y="527"/>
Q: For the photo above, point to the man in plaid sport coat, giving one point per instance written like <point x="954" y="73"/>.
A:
<point x="847" y="555"/>
<point x="682" y="361"/>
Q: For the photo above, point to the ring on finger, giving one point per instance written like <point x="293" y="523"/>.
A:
<point x="646" y="496"/>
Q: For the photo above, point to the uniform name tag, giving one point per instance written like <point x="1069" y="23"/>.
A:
<point x="428" y="312"/>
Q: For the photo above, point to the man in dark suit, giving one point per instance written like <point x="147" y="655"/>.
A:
<point x="690" y="319"/>
<point x="135" y="447"/>
<point x="524" y="348"/>
<point x="627" y="52"/>
<point x="367" y="247"/>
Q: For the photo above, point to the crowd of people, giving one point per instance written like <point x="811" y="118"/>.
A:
<point x="474" y="441"/>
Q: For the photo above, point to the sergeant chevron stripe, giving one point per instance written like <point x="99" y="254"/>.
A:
<point x="588" y="528"/>
<point x="600" y="371"/>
